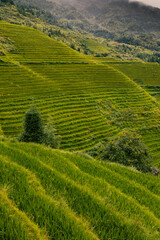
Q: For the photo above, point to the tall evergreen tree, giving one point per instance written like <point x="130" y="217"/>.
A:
<point x="33" y="127"/>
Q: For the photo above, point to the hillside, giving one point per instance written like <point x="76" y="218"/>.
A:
<point x="45" y="22"/>
<point x="85" y="43"/>
<point x="117" y="27"/>
<point x="117" y="16"/>
<point x="116" y="19"/>
<point x="144" y="74"/>
<point x="52" y="194"/>
<point x="79" y="67"/>
<point x="88" y="100"/>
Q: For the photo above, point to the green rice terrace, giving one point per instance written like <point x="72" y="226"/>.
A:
<point x="88" y="99"/>
<point x="145" y="74"/>
<point x="60" y="195"/>
<point x="53" y="194"/>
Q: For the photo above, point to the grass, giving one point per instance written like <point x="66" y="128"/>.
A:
<point x="49" y="214"/>
<point x="96" y="46"/>
<point x="53" y="194"/>
<point x="86" y="97"/>
<point x="14" y="224"/>
<point x="147" y="76"/>
<point x="82" y="41"/>
<point x="144" y="74"/>
<point x="79" y="199"/>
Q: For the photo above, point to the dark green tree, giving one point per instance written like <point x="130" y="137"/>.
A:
<point x="36" y="131"/>
<point x="7" y="1"/>
<point x="73" y="46"/>
<point x="127" y="149"/>
<point x="33" y="127"/>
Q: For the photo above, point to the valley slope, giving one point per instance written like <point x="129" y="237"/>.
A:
<point x="61" y="195"/>
<point x="88" y="99"/>
<point x="121" y="20"/>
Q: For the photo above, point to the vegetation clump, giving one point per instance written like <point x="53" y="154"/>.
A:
<point x="33" y="127"/>
<point x="36" y="131"/>
<point x="127" y="148"/>
<point x="51" y="138"/>
<point x="7" y="2"/>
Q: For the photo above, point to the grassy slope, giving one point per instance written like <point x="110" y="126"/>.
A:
<point x="79" y="93"/>
<point x="147" y="75"/>
<point x="85" y="42"/>
<point x="54" y="194"/>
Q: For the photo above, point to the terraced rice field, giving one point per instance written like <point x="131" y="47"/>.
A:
<point x="96" y="46"/>
<point x="33" y="46"/>
<point x="81" y="199"/>
<point x="77" y="92"/>
<point x="147" y="75"/>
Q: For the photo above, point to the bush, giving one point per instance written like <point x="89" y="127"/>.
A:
<point x="127" y="149"/>
<point x="50" y="136"/>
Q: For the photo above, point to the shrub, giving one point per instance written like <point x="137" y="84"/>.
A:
<point x="127" y="149"/>
<point x="50" y="136"/>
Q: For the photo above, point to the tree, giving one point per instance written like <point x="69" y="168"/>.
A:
<point x="127" y="149"/>
<point x="36" y="131"/>
<point x="7" y="1"/>
<point x="73" y="46"/>
<point x="33" y="127"/>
